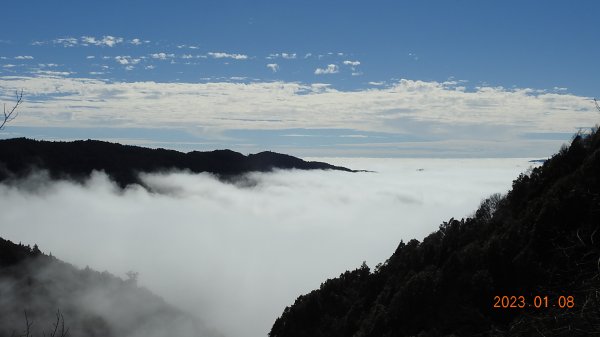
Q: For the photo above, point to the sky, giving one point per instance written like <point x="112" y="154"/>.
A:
<point x="308" y="78"/>
<point x="235" y="255"/>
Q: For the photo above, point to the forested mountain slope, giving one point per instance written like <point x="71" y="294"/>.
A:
<point x="91" y="303"/>
<point x="541" y="239"/>
<point x="77" y="159"/>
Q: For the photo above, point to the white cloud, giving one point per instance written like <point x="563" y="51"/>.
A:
<point x="110" y="40"/>
<point x="287" y="56"/>
<point x="89" y="57"/>
<point x="86" y="40"/>
<point x="353" y="65"/>
<point x="377" y="83"/>
<point x="220" y="55"/>
<point x="162" y="56"/>
<point x="307" y="55"/>
<point x="150" y="67"/>
<point x="66" y="41"/>
<point x="487" y="120"/>
<point x="331" y="69"/>
<point x="182" y="46"/>
<point x="187" y="56"/>
<point x="273" y="66"/>
<point x="24" y="57"/>
<point x="54" y="73"/>
<point x="127" y="60"/>
<point x="107" y="40"/>
<point x="9" y="65"/>
<point x="136" y="42"/>
<point x="122" y="59"/>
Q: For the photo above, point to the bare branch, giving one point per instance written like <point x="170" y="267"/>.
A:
<point x="60" y="321"/>
<point x="56" y="323"/>
<point x="27" y="325"/>
<point x="11" y="113"/>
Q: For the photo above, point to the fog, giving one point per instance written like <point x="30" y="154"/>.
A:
<point x="90" y="304"/>
<point x="235" y="254"/>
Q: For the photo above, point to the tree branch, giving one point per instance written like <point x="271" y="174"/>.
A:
<point x="60" y="321"/>
<point x="27" y="325"/>
<point x="10" y="114"/>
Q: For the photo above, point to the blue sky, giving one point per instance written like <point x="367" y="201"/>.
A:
<point x="357" y="78"/>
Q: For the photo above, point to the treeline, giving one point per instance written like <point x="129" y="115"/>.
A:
<point x="539" y="243"/>
<point x="123" y="163"/>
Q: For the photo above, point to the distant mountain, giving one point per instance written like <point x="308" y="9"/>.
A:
<point x="526" y="264"/>
<point x="91" y="303"/>
<point x="77" y="159"/>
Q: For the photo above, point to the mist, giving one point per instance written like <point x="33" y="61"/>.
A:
<point x="235" y="254"/>
<point x="89" y="303"/>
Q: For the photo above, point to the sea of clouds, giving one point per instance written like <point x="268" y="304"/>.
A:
<point x="236" y="253"/>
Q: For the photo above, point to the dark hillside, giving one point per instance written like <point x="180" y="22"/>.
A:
<point x="542" y="239"/>
<point x="122" y="163"/>
<point x="92" y="303"/>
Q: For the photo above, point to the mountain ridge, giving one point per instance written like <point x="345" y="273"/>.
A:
<point x="122" y="163"/>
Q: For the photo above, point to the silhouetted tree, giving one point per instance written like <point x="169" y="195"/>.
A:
<point x="11" y="113"/>
<point x="132" y="277"/>
<point x="57" y="330"/>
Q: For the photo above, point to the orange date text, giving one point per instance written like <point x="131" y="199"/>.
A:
<point x="537" y="302"/>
